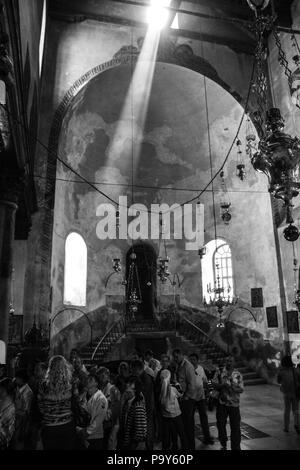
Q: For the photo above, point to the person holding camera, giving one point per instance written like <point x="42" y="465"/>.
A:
<point x="229" y="384"/>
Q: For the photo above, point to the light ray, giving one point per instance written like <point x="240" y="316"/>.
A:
<point x="128" y="135"/>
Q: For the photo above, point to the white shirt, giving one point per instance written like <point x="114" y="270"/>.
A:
<point x="200" y="379"/>
<point x="97" y="407"/>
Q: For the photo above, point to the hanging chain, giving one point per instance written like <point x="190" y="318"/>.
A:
<point x="282" y="58"/>
<point x="224" y="193"/>
<point x="138" y="282"/>
<point x="260" y="81"/>
<point x="296" y="287"/>
<point x="295" y="269"/>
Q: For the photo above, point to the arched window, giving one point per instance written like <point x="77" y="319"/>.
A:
<point x="218" y="253"/>
<point x="75" y="270"/>
<point x="223" y="268"/>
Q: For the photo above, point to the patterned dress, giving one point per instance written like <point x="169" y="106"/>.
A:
<point x="7" y="424"/>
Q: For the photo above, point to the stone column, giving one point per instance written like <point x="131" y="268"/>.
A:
<point x="10" y="189"/>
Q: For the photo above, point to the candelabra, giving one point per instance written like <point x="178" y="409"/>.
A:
<point x="133" y="288"/>
<point x="133" y="302"/>
<point x="163" y="269"/>
<point x="220" y="296"/>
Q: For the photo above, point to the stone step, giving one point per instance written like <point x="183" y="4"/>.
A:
<point x="250" y="375"/>
<point x="244" y="369"/>
<point x="212" y="351"/>
<point x="257" y="381"/>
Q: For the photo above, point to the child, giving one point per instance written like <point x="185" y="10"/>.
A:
<point x="133" y="421"/>
<point x="172" y="423"/>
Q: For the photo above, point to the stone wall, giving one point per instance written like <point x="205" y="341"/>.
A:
<point x="242" y="337"/>
<point x="282" y="99"/>
<point x="174" y="153"/>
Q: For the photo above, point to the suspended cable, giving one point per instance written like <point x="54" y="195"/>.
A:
<point x="164" y="188"/>
<point x="210" y="157"/>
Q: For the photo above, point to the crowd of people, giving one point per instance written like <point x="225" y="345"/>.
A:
<point x="62" y="405"/>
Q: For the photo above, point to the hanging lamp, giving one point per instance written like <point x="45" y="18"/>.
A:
<point x="278" y="154"/>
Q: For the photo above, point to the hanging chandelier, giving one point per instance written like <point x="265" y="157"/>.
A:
<point x="278" y="157"/>
<point x="133" y="288"/>
<point x="163" y="261"/>
<point x="225" y="203"/>
<point x="163" y="269"/>
<point x="296" y="270"/>
<point x="240" y="167"/>
<point x="277" y="154"/>
<point x="219" y="296"/>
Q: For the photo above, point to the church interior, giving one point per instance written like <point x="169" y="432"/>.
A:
<point x="150" y="202"/>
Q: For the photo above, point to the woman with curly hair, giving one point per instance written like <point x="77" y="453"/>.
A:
<point x="55" y="405"/>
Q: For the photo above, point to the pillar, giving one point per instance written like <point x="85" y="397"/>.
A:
<point x="10" y="190"/>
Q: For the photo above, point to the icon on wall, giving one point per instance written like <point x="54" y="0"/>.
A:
<point x="272" y="318"/>
<point x="257" y="297"/>
<point x="292" y="321"/>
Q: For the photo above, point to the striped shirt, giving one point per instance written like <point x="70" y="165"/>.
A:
<point x="135" y="421"/>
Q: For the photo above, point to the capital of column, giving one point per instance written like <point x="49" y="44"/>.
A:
<point x="11" y="187"/>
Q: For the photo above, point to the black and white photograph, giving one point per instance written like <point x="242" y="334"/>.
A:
<point x="149" y="229"/>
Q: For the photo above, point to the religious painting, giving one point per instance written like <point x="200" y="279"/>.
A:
<point x="292" y="317"/>
<point x="272" y="319"/>
<point x="257" y="297"/>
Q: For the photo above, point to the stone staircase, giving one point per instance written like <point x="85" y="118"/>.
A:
<point x="214" y="353"/>
<point x="116" y="345"/>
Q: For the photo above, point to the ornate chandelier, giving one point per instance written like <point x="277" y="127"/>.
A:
<point x="278" y="157"/>
<point x="219" y="296"/>
<point x="277" y="154"/>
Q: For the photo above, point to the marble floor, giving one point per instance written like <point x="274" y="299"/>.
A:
<point x="261" y="409"/>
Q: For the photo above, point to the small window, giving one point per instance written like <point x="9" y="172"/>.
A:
<point x="75" y="270"/>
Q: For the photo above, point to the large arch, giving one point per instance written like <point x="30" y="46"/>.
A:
<point x="174" y="162"/>
<point x="169" y="53"/>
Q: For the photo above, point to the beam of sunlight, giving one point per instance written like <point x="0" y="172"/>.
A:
<point x="128" y="134"/>
<point x="175" y="24"/>
<point x="157" y="15"/>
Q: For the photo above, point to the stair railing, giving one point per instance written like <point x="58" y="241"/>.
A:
<point x="191" y="331"/>
<point x="111" y="336"/>
<point x="76" y="309"/>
